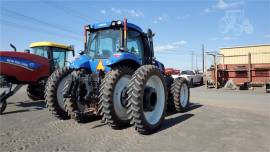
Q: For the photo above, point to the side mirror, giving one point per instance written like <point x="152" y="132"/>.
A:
<point x="150" y="33"/>
<point x="73" y="53"/>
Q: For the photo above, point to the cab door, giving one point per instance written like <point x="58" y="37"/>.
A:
<point x="135" y="44"/>
<point x="58" y="57"/>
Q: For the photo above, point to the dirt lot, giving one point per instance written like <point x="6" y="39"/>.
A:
<point x="219" y="120"/>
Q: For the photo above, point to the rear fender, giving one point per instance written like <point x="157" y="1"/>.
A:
<point x="124" y="58"/>
<point x="160" y="66"/>
<point x="83" y="61"/>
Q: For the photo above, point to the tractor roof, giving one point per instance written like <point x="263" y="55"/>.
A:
<point x="52" y="44"/>
<point x="108" y="24"/>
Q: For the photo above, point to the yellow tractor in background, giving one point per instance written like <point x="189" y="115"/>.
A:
<point x="32" y="67"/>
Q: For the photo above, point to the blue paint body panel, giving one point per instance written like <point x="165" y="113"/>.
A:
<point x="160" y="65"/>
<point x="86" y="62"/>
<point x="118" y="57"/>
<point x="108" y="24"/>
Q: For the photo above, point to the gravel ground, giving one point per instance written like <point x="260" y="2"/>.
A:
<point x="219" y="120"/>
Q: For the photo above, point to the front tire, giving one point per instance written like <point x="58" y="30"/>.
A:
<point x="53" y="92"/>
<point x="147" y="96"/>
<point x="191" y="84"/>
<point x="181" y="93"/>
<point x="35" y="92"/>
<point x="113" y="97"/>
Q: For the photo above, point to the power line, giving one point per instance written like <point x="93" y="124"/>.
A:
<point x="17" y="15"/>
<point x="68" y="10"/>
<point x="179" y="52"/>
<point x="20" y="26"/>
<point x="203" y="59"/>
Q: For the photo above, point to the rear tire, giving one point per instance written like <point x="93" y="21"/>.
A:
<point x="181" y="92"/>
<point x="170" y="103"/>
<point x="113" y="97"/>
<point x="201" y="83"/>
<point x="72" y="110"/>
<point x="191" y="84"/>
<point x="147" y="96"/>
<point x="51" y="89"/>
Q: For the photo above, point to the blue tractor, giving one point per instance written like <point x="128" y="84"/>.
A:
<point x="118" y="77"/>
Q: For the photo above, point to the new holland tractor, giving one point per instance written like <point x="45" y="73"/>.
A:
<point x="118" y="77"/>
<point x="32" y="67"/>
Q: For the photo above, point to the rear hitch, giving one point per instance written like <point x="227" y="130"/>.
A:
<point x="5" y="95"/>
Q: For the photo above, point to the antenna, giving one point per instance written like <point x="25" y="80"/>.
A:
<point x="125" y="32"/>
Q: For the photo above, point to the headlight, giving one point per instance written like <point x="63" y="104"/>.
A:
<point x="119" y="22"/>
<point x="113" y="23"/>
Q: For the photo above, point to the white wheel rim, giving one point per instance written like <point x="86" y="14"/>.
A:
<point x="154" y="116"/>
<point x="60" y="90"/>
<point x="184" y="95"/>
<point x="120" y="111"/>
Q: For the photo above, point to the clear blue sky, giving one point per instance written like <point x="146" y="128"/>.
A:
<point x="180" y="26"/>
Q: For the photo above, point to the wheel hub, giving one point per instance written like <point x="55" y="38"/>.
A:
<point x="124" y="97"/>
<point x="184" y="95"/>
<point x="149" y="99"/>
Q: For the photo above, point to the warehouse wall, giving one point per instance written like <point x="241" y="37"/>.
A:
<point x="259" y="54"/>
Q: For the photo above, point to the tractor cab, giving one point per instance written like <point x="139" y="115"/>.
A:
<point x="108" y="38"/>
<point x="118" y="40"/>
<point x="58" y="54"/>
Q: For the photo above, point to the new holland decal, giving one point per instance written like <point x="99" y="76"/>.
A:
<point x="27" y="64"/>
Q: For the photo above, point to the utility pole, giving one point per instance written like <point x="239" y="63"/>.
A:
<point x="196" y="62"/>
<point x="249" y="68"/>
<point x="203" y="56"/>
<point x="216" y="74"/>
<point x="192" y="53"/>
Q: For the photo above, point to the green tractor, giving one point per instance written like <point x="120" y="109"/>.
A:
<point x="118" y="77"/>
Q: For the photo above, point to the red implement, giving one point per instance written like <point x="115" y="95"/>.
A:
<point x="23" y="67"/>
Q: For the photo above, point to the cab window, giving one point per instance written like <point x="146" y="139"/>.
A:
<point x="134" y="42"/>
<point x="103" y="43"/>
<point x="41" y="51"/>
<point x="59" y="57"/>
